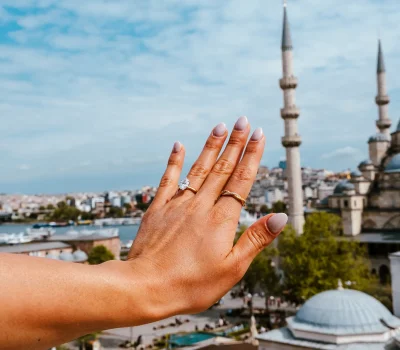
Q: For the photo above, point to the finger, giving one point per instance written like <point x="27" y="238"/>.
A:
<point x="245" y="173"/>
<point x="169" y="181"/>
<point x="223" y="168"/>
<point x="255" y="239"/>
<point x="203" y="165"/>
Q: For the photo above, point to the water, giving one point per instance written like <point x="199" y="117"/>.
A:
<point x="178" y="340"/>
<point x="126" y="233"/>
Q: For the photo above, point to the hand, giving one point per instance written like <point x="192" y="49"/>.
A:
<point x="185" y="242"/>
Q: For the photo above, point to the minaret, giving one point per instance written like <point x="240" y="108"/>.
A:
<point x="291" y="141"/>
<point x="382" y="99"/>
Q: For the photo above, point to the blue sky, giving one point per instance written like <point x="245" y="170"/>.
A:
<point x="93" y="94"/>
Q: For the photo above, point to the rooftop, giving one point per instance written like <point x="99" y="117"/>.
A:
<point x="33" y="247"/>
<point x="71" y="238"/>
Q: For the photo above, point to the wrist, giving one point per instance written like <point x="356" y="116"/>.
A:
<point x="134" y="295"/>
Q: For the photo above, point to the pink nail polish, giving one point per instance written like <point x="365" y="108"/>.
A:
<point x="241" y="123"/>
<point x="177" y="147"/>
<point x="219" y="130"/>
<point x="257" y="135"/>
<point x="276" y="223"/>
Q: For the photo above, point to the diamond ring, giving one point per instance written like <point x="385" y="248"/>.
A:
<point x="185" y="185"/>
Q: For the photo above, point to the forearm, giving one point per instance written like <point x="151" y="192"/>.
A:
<point x="45" y="302"/>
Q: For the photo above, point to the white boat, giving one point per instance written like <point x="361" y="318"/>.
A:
<point x="41" y="232"/>
<point x="19" y="238"/>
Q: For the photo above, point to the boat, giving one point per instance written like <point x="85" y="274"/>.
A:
<point x="41" y="232"/>
<point x="19" y="238"/>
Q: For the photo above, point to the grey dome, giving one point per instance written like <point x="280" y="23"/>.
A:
<point x="356" y="173"/>
<point x="365" y="162"/>
<point x="394" y="164"/>
<point x="342" y="186"/>
<point x="66" y="256"/>
<point x="52" y="256"/>
<point x="80" y="256"/>
<point x="344" y="311"/>
<point x="379" y="137"/>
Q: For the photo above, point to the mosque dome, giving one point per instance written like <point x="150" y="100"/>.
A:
<point x="79" y="256"/>
<point x="52" y="256"/>
<point x="379" y="137"/>
<point x="343" y="186"/>
<point x="355" y="173"/>
<point x="394" y="164"/>
<point x="342" y="313"/>
<point x="66" y="256"/>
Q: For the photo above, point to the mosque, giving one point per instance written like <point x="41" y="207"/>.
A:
<point x="369" y="202"/>
<point x="340" y="319"/>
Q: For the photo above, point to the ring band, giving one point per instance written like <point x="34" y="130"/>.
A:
<point x="239" y="198"/>
<point x="191" y="189"/>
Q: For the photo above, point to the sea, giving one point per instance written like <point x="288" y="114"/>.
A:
<point x="126" y="233"/>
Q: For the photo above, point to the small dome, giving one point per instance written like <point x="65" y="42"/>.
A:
<point x="52" y="256"/>
<point x="356" y="173"/>
<point x="379" y="137"/>
<point x="80" y="256"/>
<point x="342" y="186"/>
<point x="66" y="256"/>
<point x="394" y="164"/>
<point x="345" y="308"/>
<point x="366" y="162"/>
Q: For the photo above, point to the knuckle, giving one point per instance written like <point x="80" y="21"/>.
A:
<point x="173" y="162"/>
<point x="211" y="145"/>
<point x="199" y="170"/>
<point x="252" y="148"/>
<point x="235" y="141"/>
<point x="223" y="167"/>
<point x="242" y="173"/>
<point x="221" y="214"/>
<point x="258" y="237"/>
<point x="165" y="181"/>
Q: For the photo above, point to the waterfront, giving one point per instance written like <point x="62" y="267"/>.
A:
<point x="126" y="233"/>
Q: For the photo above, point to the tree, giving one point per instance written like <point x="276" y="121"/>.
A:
<point x="99" y="254"/>
<point x="50" y="206"/>
<point x="65" y="212"/>
<point x="115" y="212"/>
<point x="264" y="209"/>
<point x="42" y="207"/>
<point x="250" y="208"/>
<point x="316" y="260"/>
<point x="279" y="207"/>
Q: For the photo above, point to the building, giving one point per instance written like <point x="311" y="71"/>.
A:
<point x="51" y="250"/>
<point x="341" y="319"/>
<point x="395" y="272"/>
<point x="291" y="140"/>
<point x="369" y="202"/>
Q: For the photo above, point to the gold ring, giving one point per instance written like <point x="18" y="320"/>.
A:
<point x="191" y="189"/>
<point x="234" y="195"/>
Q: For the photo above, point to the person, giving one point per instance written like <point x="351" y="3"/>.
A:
<point x="182" y="260"/>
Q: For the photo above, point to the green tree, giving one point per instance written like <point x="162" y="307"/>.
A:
<point x="279" y="207"/>
<point x="264" y="209"/>
<point x="251" y="208"/>
<point x="50" y="206"/>
<point x="99" y="254"/>
<point x="115" y="212"/>
<point x="61" y="204"/>
<point x="42" y="207"/>
<point x="65" y="213"/>
<point x="316" y="260"/>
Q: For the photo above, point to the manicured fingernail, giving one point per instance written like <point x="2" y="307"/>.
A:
<point x="257" y="135"/>
<point x="241" y="123"/>
<point x="277" y="222"/>
<point x="219" y="130"/>
<point x="177" y="147"/>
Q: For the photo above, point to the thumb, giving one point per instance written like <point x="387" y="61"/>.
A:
<point x="258" y="236"/>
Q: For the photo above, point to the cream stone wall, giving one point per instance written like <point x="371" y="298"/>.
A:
<point x="377" y="219"/>
<point x="351" y="221"/>
<point x="395" y="272"/>
<point x="377" y="151"/>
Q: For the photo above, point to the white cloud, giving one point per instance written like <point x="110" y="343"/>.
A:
<point x="24" y="167"/>
<point x="345" y="152"/>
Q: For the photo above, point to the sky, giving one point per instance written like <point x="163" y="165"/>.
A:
<point x="93" y="94"/>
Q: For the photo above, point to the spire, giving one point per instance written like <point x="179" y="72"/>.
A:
<point x="381" y="62"/>
<point x="286" y="39"/>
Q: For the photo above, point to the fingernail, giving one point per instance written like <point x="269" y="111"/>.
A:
<point x="241" y="123"/>
<point x="177" y="147"/>
<point x="257" y="135"/>
<point x="277" y="222"/>
<point x="219" y="130"/>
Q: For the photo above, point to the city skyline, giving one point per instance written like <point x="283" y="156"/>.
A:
<point x="87" y="87"/>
